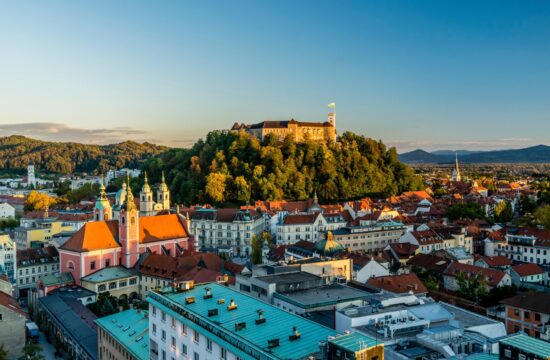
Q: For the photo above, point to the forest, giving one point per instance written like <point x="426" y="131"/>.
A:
<point x="64" y="158"/>
<point x="234" y="168"/>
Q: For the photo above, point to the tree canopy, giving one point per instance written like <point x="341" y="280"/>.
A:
<point x="231" y="167"/>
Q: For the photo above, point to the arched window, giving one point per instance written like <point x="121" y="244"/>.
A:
<point x="70" y="265"/>
<point x="123" y="220"/>
<point x="132" y="220"/>
<point x="101" y="288"/>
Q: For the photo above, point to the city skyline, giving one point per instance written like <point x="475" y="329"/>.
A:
<point x="431" y="75"/>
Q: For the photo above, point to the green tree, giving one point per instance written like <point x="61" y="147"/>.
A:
<point x="503" y="212"/>
<point x="542" y="216"/>
<point x="257" y="245"/>
<point x="31" y="352"/>
<point x="216" y="184"/>
<point x="3" y="352"/>
<point x="468" y="210"/>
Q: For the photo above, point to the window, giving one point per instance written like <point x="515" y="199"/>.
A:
<point x="196" y="336"/>
<point x="208" y="345"/>
<point x="537" y="317"/>
<point x="107" y="263"/>
<point x="163" y="316"/>
<point x="173" y="323"/>
<point x="112" y="285"/>
<point x="163" y="336"/>
<point x="101" y="288"/>
<point x="173" y="342"/>
<point x="223" y="353"/>
<point x="516" y="312"/>
<point x="92" y="265"/>
<point x="183" y="329"/>
<point x="133" y="281"/>
<point x="196" y="356"/>
<point x="163" y="352"/>
<point x="184" y="349"/>
<point x="154" y="328"/>
<point x="526" y="314"/>
<point x="154" y="311"/>
<point x="70" y="266"/>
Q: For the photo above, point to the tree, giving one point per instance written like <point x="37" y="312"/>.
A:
<point x="503" y="212"/>
<point x="257" y="246"/>
<point x="3" y="352"/>
<point x="38" y="201"/>
<point x="468" y="210"/>
<point x="31" y="352"/>
<point x="215" y="186"/>
<point x="542" y="216"/>
<point x="526" y="205"/>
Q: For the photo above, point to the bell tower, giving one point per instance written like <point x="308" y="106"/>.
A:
<point x="163" y="194"/>
<point x="102" y="209"/>
<point x="128" y="230"/>
<point x="146" y="205"/>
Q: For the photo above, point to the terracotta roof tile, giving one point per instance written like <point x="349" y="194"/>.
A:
<point x="527" y="269"/>
<point x="399" y="284"/>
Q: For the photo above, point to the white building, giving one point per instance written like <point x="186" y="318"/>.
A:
<point x="8" y="253"/>
<point x="6" y="211"/>
<point x="31" y="179"/>
<point x="212" y="321"/>
<point x="225" y="230"/>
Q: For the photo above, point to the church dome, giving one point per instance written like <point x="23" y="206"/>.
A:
<point x="328" y="246"/>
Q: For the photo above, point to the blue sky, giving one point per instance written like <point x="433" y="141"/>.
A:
<point x="429" y="74"/>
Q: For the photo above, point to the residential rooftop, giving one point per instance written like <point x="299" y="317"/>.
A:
<point x="253" y="338"/>
<point x="129" y="328"/>
<point x="109" y="274"/>
<point x="322" y="296"/>
<point x="529" y="344"/>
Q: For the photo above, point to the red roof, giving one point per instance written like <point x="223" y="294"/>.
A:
<point x="495" y="261"/>
<point x="403" y="250"/>
<point x="527" y="269"/>
<point x="97" y="235"/>
<point x="398" y="284"/>
<point x="300" y="219"/>
<point x="11" y="304"/>
<point x="493" y="277"/>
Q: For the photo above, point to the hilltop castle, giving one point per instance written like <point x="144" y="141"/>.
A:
<point x="299" y="130"/>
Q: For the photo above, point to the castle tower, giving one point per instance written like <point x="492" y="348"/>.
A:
<point x="332" y="118"/>
<point x="456" y="171"/>
<point x="163" y="194"/>
<point x="102" y="209"/>
<point x="128" y="231"/>
<point x="146" y="204"/>
<point x="31" y="180"/>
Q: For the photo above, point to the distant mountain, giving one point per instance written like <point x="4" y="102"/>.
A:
<point x="420" y="157"/>
<point x="56" y="157"/>
<point x="453" y="152"/>
<point x="534" y="154"/>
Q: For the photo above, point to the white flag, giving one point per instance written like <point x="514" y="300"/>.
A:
<point x="332" y="105"/>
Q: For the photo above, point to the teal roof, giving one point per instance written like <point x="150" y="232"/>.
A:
<point x="108" y="274"/>
<point x="354" y="342"/>
<point x="56" y="279"/>
<point x="528" y="344"/>
<point x="278" y="325"/>
<point x="131" y="329"/>
<point x="482" y="356"/>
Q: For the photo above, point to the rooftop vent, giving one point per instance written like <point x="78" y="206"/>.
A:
<point x="221" y="301"/>
<point x="212" y="312"/>
<point x="208" y="294"/>
<point x="190" y="300"/>
<point x="232" y="306"/>
<point x="273" y="343"/>
<point x="240" y="326"/>
<point x="295" y="334"/>
<point x="260" y="319"/>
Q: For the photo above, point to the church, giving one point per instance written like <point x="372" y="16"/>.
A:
<point x="119" y="238"/>
<point x="300" y="131"/>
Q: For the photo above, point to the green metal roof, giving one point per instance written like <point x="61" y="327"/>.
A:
<point x="529" y="344"/>
<point x="354" y="342"/>
<point x="131" y="329"/>
<point x="109" y="274"/>
<point x="56" y="279"/>
<point x="482" y="356"/>
<point x="278" y="325"/>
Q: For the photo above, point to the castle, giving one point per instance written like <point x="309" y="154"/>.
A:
<point x="299" y="130"/>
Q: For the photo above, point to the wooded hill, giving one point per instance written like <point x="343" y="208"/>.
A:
<point x="229" y="167"/>
<point x="63" y="158"/>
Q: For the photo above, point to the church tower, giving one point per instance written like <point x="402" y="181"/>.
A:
<point x="163" y="195"/>
<point x="456" y="171"/>
<point x="128" y="231"/>
<point x="31" y="180"/>
<point x="146" y="205"/>
<point x="102" y="209"/>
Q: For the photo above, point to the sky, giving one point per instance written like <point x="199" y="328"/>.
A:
<point x="416" y="74"/>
